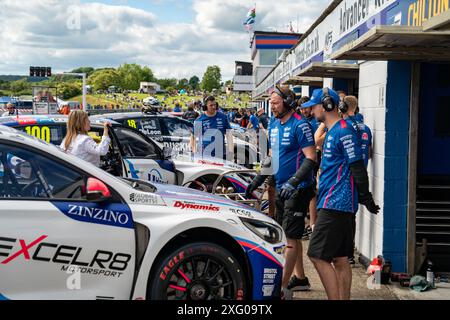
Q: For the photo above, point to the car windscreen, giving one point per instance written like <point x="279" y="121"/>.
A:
<point x="177" y="127"/>
<point x="51" y="133"/>
<point x="149" y="126"/>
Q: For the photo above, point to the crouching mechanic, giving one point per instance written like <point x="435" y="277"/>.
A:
<point x="293" y="161"/>
<point x="342" y="169"/>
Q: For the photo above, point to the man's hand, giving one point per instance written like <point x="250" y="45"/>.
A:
<point x="286" y="191"/>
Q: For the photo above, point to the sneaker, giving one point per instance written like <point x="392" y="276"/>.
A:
<point x="297" y="284"/>
<point x="286" y="294"/>
<point x="351" y="260"/>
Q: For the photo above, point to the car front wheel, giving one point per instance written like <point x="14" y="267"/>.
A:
<point x="198" y="271"/>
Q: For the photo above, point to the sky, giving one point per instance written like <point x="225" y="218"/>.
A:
<point x="175" y="38"/>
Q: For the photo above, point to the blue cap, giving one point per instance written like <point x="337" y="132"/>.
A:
<point x="317" y="98"/>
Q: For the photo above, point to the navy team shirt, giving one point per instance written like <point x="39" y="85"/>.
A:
<point x="217" y="124"/>
<point x="287" y="141"/>
<point x="313" y="122"/>
<point x="337" y="190"/>
<point x="364" y="135"/>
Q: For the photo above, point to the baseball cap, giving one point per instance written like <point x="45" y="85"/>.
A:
<point x="317" y="95"/>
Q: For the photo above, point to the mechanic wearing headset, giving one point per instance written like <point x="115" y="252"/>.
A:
<point x="342" y="169"/>
<point x="210" y="130"/>
<point x="293" y="161"/>
<point x="347" y="107"/>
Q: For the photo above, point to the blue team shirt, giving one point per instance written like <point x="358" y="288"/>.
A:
<point x="364" y="135"/>
<point x="287" y="141"/>
<point x="254" y="121"/>
<point x="336" y="186"/>
<point x="359" y="117"/>
<point x="212" y="126"/>
<point x="313" y="122"/>
<point x="177" y="109"/>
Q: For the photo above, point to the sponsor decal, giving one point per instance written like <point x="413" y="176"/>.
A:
<point x="267" y="270"/>
<point x="195" y="206"/>
<point x="241" y="212"/>
<point x="116" y="215"/>
<point x="143" y="198"/>
<point x="365" y="136"/>
<point x="169" y="266"/>
<point x="100" y="263"/>
<point x="279" y="250"/>
<point x="211" y="163"/>
<point x="156" y="176"/>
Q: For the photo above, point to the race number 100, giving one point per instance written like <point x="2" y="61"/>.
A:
<point x="42" y="133"/>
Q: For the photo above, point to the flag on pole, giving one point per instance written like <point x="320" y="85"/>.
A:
<point x="291" y="29"/>
<point x="251" y="16"/>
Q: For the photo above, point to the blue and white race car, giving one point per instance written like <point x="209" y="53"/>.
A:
<point x="69" y="230"/>
<point x="134" y="155"/>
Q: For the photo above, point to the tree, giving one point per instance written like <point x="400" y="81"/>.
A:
<point x="20" y="87"/>
<point x="133" y="74"/>
<point x="194" y="82"/>
<point x="103" y="78"/>
<point x="69" y="90"/>
<point x="211" y="79"/>
<point x="166" y="83"/>
<point x="87" y="70"/>
<point x="183" y="84"/>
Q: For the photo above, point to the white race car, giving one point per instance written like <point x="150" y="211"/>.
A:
<point x="134" y="155"/>
<point x="69" y="230"/>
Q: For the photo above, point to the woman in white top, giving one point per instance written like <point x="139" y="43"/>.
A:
<point x="79" y="143"/>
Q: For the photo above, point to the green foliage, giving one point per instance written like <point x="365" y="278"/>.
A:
<point x="211" y="78"/>
<point x="20" y="87"/>
<point x="132" y="75"/>
<point x="166" y="83"/>
<point x="183" y="84"/>
<point x="194" y="83"/>
<point x="69" y="90"/>
<point x="103" y="78"/>
<point x="87" y="70"/>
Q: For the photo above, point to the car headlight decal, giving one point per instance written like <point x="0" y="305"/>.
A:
<point x="266" y="231"/>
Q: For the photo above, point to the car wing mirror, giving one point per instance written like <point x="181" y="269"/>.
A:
<point x="167" y="153"/>
<point x="97" y="191"/>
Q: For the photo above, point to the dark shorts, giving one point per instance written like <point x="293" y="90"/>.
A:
<point x="332" y="236"/>
<point x="291" y="214"/>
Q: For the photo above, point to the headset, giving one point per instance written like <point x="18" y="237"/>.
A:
<point x="328" y="102"/>
<point x="205" y="104"/>
<point x="288" y="102"/>
<point x="343" y="106"/>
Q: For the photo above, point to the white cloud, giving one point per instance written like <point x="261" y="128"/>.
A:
<point x="46" y="32"/>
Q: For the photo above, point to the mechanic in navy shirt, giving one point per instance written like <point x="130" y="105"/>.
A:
<point x="347" y="108"/>
<point x="210" y="130"/>
<point x="342" y="183"/>
<point x="293" y="161"/>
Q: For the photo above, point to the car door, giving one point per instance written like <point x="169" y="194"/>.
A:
<point x="177" y="135"/>
<point x="54" y="243"/>
<point x="142" y="158"/>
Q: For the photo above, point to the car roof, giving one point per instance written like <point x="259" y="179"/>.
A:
<point x="127" y="115"/>
<point x="32" y="119"/>
<point x="25" y="120"/>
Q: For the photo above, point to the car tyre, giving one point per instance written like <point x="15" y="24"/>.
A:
<point x="198" y="271"/>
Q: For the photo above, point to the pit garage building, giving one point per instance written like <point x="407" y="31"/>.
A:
<point x="395" y="56"/>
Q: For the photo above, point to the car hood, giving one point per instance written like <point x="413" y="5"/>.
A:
<point x="194" y="200"/>
<point x="214" y="162"/>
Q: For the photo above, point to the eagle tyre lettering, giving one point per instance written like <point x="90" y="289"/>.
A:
<point x="198" y="271"/>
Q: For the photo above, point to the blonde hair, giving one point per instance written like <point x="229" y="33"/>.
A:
<point x="75" y="126"/>
<point x="352" y="103"/>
